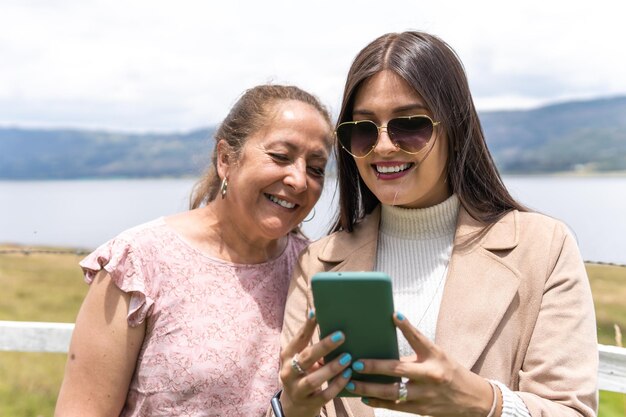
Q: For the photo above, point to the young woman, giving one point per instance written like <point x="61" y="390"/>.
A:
<point x="495" y="310"/>
<point x="183" y="314"/>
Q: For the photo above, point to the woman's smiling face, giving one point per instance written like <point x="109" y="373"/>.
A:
<point x="279" y="175"/>
<point x="396" y="177"/>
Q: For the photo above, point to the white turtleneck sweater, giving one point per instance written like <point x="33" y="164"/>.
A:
<point x="414" y="249"/>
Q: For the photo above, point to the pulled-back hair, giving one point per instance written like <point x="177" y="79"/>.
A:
<point x="432" y="69"/>
<point x="250" y="114"/>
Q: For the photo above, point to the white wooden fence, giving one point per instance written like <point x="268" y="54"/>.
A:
<point x="24" y="336"/>
<point x="31" y="336"/>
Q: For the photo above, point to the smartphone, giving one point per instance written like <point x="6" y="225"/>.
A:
<point x="360" y="304"/>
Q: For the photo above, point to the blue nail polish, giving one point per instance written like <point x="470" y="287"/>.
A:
<point x="311" y="313"/>
<point x="347" y="373"/>
<point x="400" y="316"/>
<point x="358" y="366"/>
<point x="336" y="337"/>
<point x="345" y="359"/>
<point x="350" y="386"/>
<point x="365" y="400"/>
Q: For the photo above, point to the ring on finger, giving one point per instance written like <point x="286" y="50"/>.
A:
<point x="295" y="365"/>
<point x="403" y="392"/>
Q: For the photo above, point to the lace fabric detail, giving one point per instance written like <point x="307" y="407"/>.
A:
<point x="212" y="327"/>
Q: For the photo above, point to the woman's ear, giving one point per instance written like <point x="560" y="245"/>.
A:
<point x="224" y="158"/>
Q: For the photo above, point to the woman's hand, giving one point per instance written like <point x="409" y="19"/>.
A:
<point x="303" y="372"/>
<point x="436" y="385"/>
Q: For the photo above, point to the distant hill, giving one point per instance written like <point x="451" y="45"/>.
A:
<point x="66" y="154"/>
<point x="587" y="136"/>
<point x="571" y="136"/>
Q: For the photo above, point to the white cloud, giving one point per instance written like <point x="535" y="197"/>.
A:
<point x="179" y="65"/>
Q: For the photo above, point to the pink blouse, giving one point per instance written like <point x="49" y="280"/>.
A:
<point x="212" y="327"/>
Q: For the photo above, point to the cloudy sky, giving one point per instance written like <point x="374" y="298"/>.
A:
<point x="157" y="65"/>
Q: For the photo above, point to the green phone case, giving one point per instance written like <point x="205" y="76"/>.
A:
<point x="360" y="304"/>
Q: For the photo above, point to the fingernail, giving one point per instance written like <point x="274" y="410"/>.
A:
<point x="358" y="366"/>
<point x="336" y="337"/>
<point x="365" y="400"/>
<point x="311" y="313"/>
<point x="345" y="359"/>
<point x="399" y="316"/>
<point x="350" y="386"/>
<point x="347" y="373"/>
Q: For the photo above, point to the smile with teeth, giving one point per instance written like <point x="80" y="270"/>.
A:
<point x="282" y="203"/>
<point x="385" y="169"/>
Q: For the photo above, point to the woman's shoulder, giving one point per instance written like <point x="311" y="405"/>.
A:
<point x="540" y="223"/>
<point x="296" y="243"/>
<point x="530" y="231"/>
<point x="144" y="234"/>
<point x="144" y="229"/>
<point x="141" y="240"/>
<point x="323" y="241"/>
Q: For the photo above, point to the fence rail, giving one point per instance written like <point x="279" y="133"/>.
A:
<point x="32" y="336"/>
<point x="26" y="336"/>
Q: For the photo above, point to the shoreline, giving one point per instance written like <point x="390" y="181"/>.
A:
<point x="7" y="248"/>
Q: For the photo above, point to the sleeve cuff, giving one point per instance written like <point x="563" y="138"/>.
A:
<point x="512" y="404"/>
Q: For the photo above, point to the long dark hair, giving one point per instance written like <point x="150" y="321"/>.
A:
<point x="251" y="113"/>
<point x="434" y="70"/>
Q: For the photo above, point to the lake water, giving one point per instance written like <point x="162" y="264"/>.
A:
<point x="84" y="214"/>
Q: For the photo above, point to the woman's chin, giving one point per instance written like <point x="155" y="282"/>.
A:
<point x="392" y="199"/>
<point x="276" y="228"/>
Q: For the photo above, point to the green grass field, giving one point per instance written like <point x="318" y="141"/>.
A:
<point x="36" y="287"/>
<point x="49" y="287"/>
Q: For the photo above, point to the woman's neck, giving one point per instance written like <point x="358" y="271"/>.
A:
<point x="421" y="223"/>
<point x="211" y="229"/>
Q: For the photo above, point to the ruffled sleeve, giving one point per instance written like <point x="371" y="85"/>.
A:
<point x="128" y="270"/>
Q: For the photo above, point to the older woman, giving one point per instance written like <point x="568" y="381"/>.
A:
<point x="501" y="311"/>
<point x="183" y="313"/>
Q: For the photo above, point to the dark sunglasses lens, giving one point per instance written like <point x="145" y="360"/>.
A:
<point x="411" y="135"/>
<point x="358" y="138"/>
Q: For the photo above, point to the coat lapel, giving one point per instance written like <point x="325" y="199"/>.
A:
<point x="479" y="288"/>
<point x="354" y="251"/>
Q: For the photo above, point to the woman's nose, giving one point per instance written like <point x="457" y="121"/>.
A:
<point x="384" y="144"/>
<point x="296" y="178"/>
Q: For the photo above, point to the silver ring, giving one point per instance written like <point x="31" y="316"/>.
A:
<point x="295" y="365"/>
<point x="403" y="392"/>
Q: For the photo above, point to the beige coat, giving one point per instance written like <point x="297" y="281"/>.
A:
<point x="516" y="307"/>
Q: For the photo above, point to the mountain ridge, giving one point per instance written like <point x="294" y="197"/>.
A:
<point x="571" y="136"/>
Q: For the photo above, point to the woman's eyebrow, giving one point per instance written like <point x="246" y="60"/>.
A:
<point x="294" y="148"/>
